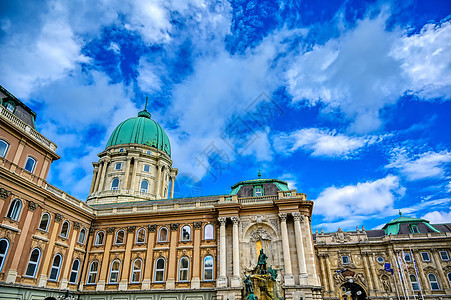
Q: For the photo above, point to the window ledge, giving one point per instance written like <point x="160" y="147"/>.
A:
<point x="10" y="227"/>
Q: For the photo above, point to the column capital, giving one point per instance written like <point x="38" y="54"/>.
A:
<point x="175" y="226"/>
<point x="235" y="220"/>
<point x="58" y="217"/>
<point x="152" y="227"/>
<point x="77" y="225"/>
<point x="197" y="225"/>
<point x="32" y="206"/>
<point x="323" y="255"/>
<point x="110" y="229"/>
<point x="131" y="228"/>
<point x="222" y="220"/>
<point x="297" y="216"/>
<point x="283" y="217"/>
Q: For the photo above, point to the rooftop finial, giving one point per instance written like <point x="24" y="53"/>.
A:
<point x="400" y="213"/>
<point x="259" y="174"/>
<point x="145" y="107"/>
<point x="144" y="113"/>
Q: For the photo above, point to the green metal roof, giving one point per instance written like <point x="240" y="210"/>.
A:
<point x="392" y="227"/>
<point x="140" y="130"/>
<point x="281" y="185"/>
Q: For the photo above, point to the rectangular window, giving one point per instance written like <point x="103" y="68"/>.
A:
<point x="444" y="255"/>
<point x="414" y="229"/>
<point x="258" y="191"/>
<point x="425" y="256"/>
<point x="118" y="166"/>
<point x="345" y="259"/>
<point x="10" y="107"/>
<point x="407" y="257"/>
<point x="146" y="168"/>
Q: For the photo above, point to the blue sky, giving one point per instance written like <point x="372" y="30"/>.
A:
<point x="348" y="101"/>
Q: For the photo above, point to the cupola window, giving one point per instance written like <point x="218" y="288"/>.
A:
<point x="118" y="166"/>
<point x="115" y="184"/>
<point x="258" y="191"/>
<point x="144" y="186"/>
<point x="414" y="229"/>
<point x="10" y="107"/>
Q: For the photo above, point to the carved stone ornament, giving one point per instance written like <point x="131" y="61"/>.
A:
<point x="131" y="228"/>
<point x="297" y="216"/>
<point x="235" y="220"/>
<point x="222" y="220"/>
<point x="283" y="217"/>
<point x="340" y="236"/>
<point x="91" y="231"/>
<point x="32" y="206"/>
<point x="197" y="225"/>
<point x="58" y="217"/>
<point x="110" y="229"/>
<point x="260" y="234"/>
<point x="152" y="227"/>
<point x="323" y="255"/>
<point x="175" y="226"/>
<point x="76" y="225"/>
<point x="259" y="219"/>
<point x="4" y="193"/>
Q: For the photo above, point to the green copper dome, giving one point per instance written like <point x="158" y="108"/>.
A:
<point x="140" y="130"/>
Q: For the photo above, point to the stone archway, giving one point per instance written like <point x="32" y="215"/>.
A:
<point x="352" y="291"/>
<point x="256" y="237"/>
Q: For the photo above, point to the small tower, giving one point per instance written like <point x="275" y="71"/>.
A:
<point x="136" y="164"/>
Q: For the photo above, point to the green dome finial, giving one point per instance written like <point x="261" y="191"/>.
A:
<point x="259" y="174"/>
<point x="400" y="213"/>
<point x="144" y="113"/>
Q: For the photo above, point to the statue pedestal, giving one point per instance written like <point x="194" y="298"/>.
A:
<point x="235" y="282"/>
<point x="221" y="282"/>
<point x="303" y="279"/>
<point x="288" y="280"/>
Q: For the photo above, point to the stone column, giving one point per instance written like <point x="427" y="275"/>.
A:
<point x="157" y="180"/>
<point x="127" y="174"/>
<point x="329" y="273"/>
<point x="438" y="265"/>
<point x="172" y="186"/>
<point x="69" y="261"/>
<point x="195" y="281"/>
<point x="309" y="251"/>
<point x="303" y="277"/>
<point x="94" y="179"/>
<point x="323" y="271"/>
<point x="105" y="263"/>
<point x="374" y="272"/>
<point x="367" y="270"/>
<point x="172" y="265"/>
<point x="103" y="175"/>
<point x="11" y="275"/>
<point x="289" y="279"/>
<point x="123" y="284"/>
<point x="236" y="280"/>
<point x="99" y="174"/>
<point x="222" y="279"/>
<point x="148" y="263"/>
<point x="419" y="261"/>
<point x="42" y="282"/>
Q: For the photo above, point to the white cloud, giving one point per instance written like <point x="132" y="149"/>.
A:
<point x="291" y="180"/>
<point x="438" y="217"/>
<point x="368" y="68"/>
<point x="365" y="198"/>
<point x="420" y="166"/>
<point x="323" y="143"/>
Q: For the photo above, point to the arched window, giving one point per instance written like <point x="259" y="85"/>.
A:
<point x="120" y="235"/>
<point x="14" y="210"/>
<point x="82" y="236"/>
<point x="65" y="229"/>
<point x="141" y="236"/>
<point x="4" y="246"/>
<point x="115" y="184"/>
<point x="414" y="282"/>
<point x="163" y="234"/>
<point x="44" y="224"/>
<point x="92" y="274"/>
<point x="99" y="238"/>
<point x="208" y="268"/>
<point x="3" y="148"/>
<point x="55" y="270"/>
<point x="433" y="282"/>
<point x="33" y="262"/>
<point x="114" y="271"/>
<point x="159" y="270"/>
<point x="137" y="270"/>
<point x="144" y="186"/>
<point x="183" y="268"/>
<point x="30" y="164"/>
<point x="208" y="232"/>
<point x="74" y="271"/>
<point x="186" y="233"/>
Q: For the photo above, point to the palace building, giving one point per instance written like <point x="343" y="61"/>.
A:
<point x="131" y="239"/>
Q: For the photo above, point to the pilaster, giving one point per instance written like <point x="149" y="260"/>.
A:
<point x="289" y="279"/>
<point x="222" y="279"/>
